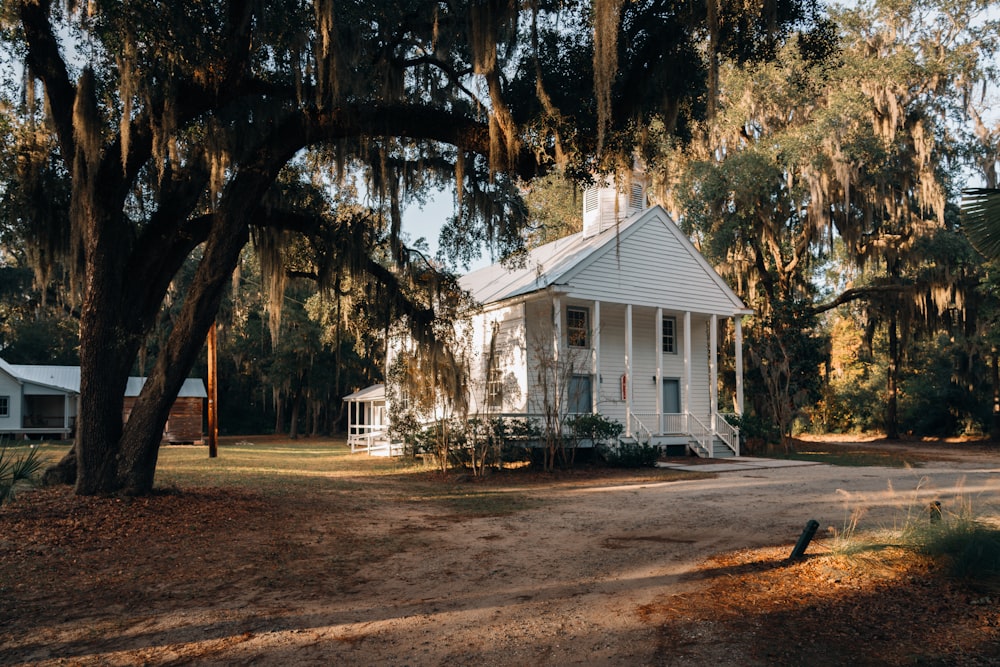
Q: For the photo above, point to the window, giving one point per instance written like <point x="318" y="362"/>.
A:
<point x="494" y="386"/>
<point x="669" y="335"/>
<point x="4" y="406"/>
<point x="577" y="327"/>
<point x="579" y="399"/>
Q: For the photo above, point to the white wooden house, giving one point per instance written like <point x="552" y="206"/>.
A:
<point x="621" y="319"/>
<point x="39" y="400"/>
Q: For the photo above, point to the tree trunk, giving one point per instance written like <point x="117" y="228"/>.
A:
<point x="111" y="335"/>
<point x="293" y="428"/>
<point x="279" y="411"/>
<point x="995" y="376"/>
<point x="891" y="416"/>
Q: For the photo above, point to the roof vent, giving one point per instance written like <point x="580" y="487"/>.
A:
<point x="606" y="203"/>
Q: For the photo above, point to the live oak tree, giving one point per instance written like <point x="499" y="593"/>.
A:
<point x="184" y="125"/>
<point x="847" y="137"/>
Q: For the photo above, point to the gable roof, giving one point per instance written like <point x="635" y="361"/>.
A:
<point x="64" y="378"/>
<point x="557" y="262"/>
<point x="67" y="378"/>
<point x="376" y="392"/>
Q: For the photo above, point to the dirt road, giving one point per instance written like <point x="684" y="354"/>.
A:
<point x="367" y="576"/>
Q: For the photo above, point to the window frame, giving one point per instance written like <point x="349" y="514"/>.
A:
<point x="574" y="332"/>
<point x="572" y="401"/>
<point x="4" y="407"/>
<point x="672" y="336"/>
<point x="494" y="385"/>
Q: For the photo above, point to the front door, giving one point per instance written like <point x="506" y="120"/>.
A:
<point x="671" y="396"/>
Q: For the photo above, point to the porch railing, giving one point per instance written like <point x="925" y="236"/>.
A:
<point x="361" y="437"/>
<point x="639" y="430"/>
<point x="701" y="434"/>
<point x="727" y="433"/>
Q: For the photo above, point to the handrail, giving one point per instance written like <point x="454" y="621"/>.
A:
<point x="702" y="434"/>
<point x="642" y="428"/>
<point x="363" y="436"/>
<point x="727" y="433"/>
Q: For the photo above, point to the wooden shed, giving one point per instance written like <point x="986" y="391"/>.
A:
<point x="185" y="425"/>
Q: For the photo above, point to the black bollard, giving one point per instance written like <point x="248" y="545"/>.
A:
<point x="804" y="539"/>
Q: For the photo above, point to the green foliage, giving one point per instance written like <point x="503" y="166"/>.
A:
<point x="757" y="433"/>
<point x="981" y="219"/>
<point x="594" y="427"/>
<point x="16" y="471"/>
<point x="938" y="396"/>
<point x="630" y="455"/>
<point x="971" y="548"/>
<point x="477" y="444"/>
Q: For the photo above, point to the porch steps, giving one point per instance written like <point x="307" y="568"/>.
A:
<point x="719" y="450"/>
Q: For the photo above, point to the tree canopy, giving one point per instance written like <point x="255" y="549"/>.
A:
<point x="141" y="131"/>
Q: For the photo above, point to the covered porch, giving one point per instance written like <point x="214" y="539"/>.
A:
<point x="367" y="422"/>
<point x="655" y="369"/>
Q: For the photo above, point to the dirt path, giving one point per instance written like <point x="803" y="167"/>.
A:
<point x="376" y="578"/>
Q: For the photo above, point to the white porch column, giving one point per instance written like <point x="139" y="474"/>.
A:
<point x="738" y="336"/>
<point x="687" y="362"/>
<point x="595" y="388"/>
<point x="556" y="327"/>
<point x="66" y="414"/>
<point x="628" y="370"/>
<point x="713" y="368"/>
<point x="556" y="342"/>
<point x="658" y="342"/>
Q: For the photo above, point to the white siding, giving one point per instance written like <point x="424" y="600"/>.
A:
<point x="12" y="390"/>
<point x="610" y="402"/>
<point x="699" y="364"/>
<point x="538" y="347"/>
<point x="510" y="350"/>
<point x="650" y="267"/>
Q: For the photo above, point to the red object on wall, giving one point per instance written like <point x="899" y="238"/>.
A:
<point x="624" y="387"/>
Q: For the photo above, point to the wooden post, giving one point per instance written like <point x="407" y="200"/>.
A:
<point x="213" y="397"/>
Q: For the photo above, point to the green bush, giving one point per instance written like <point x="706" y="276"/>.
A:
<point x="971" y="548"/>
<point x="631" y="455"/>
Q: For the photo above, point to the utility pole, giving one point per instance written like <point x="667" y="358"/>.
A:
<point x="213" y="396"/>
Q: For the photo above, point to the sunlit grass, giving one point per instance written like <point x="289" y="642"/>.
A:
<point x="276" y="466"/>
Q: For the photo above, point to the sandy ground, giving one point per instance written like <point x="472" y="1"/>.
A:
<point x="559" y="583"/>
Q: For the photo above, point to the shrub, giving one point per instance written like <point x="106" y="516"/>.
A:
<point x="971" y="549"/>
<point x="631" y="455"/>
<point x="17" y="471"/>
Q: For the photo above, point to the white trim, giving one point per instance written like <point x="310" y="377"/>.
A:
<point x="687" y="361"/>
<point x="628" y="370"/>
<point x="738" y="336"/>
<point x="596" y="357"/>
<point x="713" y="368"/>
<point x="658" y="324"/>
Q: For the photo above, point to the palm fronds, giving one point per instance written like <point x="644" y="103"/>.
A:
<point x="981" y="219"/>
<point x="14" y="471"/>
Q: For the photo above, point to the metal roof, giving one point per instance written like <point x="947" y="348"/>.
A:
<point x="544" y="266"/>
<point x="192" y="388"/>
<point x="376" y="392"/>
<point x="67" y="378"/>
